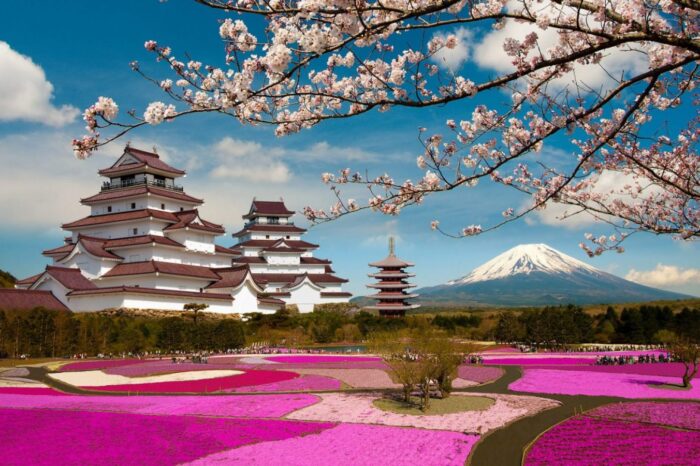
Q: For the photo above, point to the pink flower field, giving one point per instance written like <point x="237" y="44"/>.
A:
<point x="359" y="408"/>
<point x="203" y="385"/>
<point x="354" y="445"/>
<point x="312" y="358"/>
<point x="47" y="437"/>
<point x="583" y="440"/>
<point x="259" y="406"/>
<point x="677" y="414"/>
<point x="668" y="369"/>
<point x="480" y="374"/>
<point x="522" y="361"/>
<point x="622" y="385"/>
<point x="303" y="383"/>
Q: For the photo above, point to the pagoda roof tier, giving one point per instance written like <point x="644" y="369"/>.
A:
<point x="139" y="161"/>
<point x="390" y="285"/>
<point x="391" y="275"/>
<point x="116" y="217"/>
<point x="393" y="307"/>
<point x="268" y="243"/>
<point x="393" y="295"/>
<point x="268" y="209"/>
<point x="192" y="220"/>
<point x="151" y="291"/>
<point x="292" y="277"/>
<point x="139" y="190"/>
<point x="168" y="268"/>
<point x="29" y="299"/>
<point x="271" y="228"/>
<point x="391" y="261"/>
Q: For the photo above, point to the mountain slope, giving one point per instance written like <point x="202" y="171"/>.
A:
<point x="534" y="275"/>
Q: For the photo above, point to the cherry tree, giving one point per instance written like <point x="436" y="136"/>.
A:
<point x="633" y="135"/>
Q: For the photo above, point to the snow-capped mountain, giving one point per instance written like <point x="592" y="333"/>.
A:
<point x="536" y="274"/>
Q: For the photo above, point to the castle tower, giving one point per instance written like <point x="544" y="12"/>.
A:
<point x="392" y="285"/>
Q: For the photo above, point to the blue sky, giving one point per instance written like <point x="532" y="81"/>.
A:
<point x="84" y="49"/>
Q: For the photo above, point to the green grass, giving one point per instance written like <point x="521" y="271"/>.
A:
<point x="450" y="405"/>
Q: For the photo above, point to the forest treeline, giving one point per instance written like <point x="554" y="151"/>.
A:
<point x="569" y="325"/>
<point x="43" y="333"/>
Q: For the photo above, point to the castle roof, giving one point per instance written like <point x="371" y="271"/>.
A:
<point x="169" y="268"/>
<point x="191" y="219"/>
<point x="317" y="278"/>
<point x="139" y="190"/>
<point x="29" y="299"/>
<point x="29" y="280"/>
<point x="266" y="227"/>
<point x="139" y="160"/>
<point x="268" y="209"/>
<point x="69" y="277"/>
<point x="231" y="277"/>
<point x="122" y="217"/>
<point x="269" y="243"/>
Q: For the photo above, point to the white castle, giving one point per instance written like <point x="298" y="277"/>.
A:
<point x="145" y="246"/>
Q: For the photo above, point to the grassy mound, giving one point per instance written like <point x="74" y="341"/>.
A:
<point x="450" y="405"/>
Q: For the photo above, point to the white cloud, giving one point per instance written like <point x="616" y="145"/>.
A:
<point x="26" y="94"/>
<point x="668" y="276"/>
<point x="489" y="53"/>
<point x="452" y="59"/>
<point x="250" y="161"/>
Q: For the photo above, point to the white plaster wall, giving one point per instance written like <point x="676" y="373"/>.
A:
<point x="304" y="297"/>
<point x="138" y="301"/>
<point x="194" y="240"/>
<point x="282" y="259"/>
<point x="89" y="266"/>
<point x="164" y="282"/>
<point x="58" y="290"/>
<point x="245" y="300"/>
<point x="124" y="229"/>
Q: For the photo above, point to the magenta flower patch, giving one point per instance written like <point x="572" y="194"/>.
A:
<point x="585" y="441"/>
<point x="479" y="374"/>
<point x="524" y="361"/>
<point x="45" y="437"/>
<point x="259" y="406"/>
<point x="568" y="382"/>
<point x="303" y="383"/>
<point x="203" y="385"/>
<point x="312" y="358"/>
<point x="678" y="414"/>
<point x="100" y="364"/>
<point x="355" y="445"/>
<point x="30" y="391"/>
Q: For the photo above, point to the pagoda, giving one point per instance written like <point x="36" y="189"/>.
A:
<point x="392" y="285"/>
<point x="145" y="245"/>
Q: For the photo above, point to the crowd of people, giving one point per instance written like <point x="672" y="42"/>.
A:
<point x="642" y="359"/>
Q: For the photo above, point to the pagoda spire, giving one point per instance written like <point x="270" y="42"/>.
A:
<point x="391" y="246"/>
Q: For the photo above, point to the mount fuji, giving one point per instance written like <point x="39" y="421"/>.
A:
<point x="535" y="275"/>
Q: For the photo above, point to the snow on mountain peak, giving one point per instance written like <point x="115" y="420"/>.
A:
<point x="525" y="259"/>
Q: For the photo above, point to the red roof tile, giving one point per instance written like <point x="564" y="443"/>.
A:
<point x="223" y="250"/>
<point x="134" y="191"/>
<point x="154" y="291"/>
<point x="59" y="251"/>
<point x="29" y="299"/>
<point x="249" y="260"/>
<point x="277" y="229"/>
<point x="335" y="294"/>
<point x="69" y="277"/>
<point x="267" y="243"/>
<point x="391" y="261"/>
<point x="149" y="159"/>
<point x="272" y="301"/>
<point x="230" y="277"/>
<point x="170" y="268"/>
<point x="191" y="219"/>
<point x="140" y="240"/>
<point x="283" y="250"/>
<point x="292" y="277"/>
<point x="29" y="280"/>
<point x="268" y="208"/>
<point x="313" y="260"/>
<point x="121" y="217"/>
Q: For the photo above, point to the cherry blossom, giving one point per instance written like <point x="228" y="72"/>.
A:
<point x="294" y="64"/>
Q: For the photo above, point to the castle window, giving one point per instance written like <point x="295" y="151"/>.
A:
<point x="273" y="220"/>
<point x="109" y="208"/>
<point x="135" y="231"/>
<point x="133" y="205"/>
<point x="162" y="206"/>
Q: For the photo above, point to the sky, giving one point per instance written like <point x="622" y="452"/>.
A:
<point x="56" y="58"/>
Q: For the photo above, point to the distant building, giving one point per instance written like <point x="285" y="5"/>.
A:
<point x="145" y="246"/>
<point x="392" y="285"/>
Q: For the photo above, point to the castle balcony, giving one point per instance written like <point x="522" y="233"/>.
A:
<point x="107" y="185"/>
